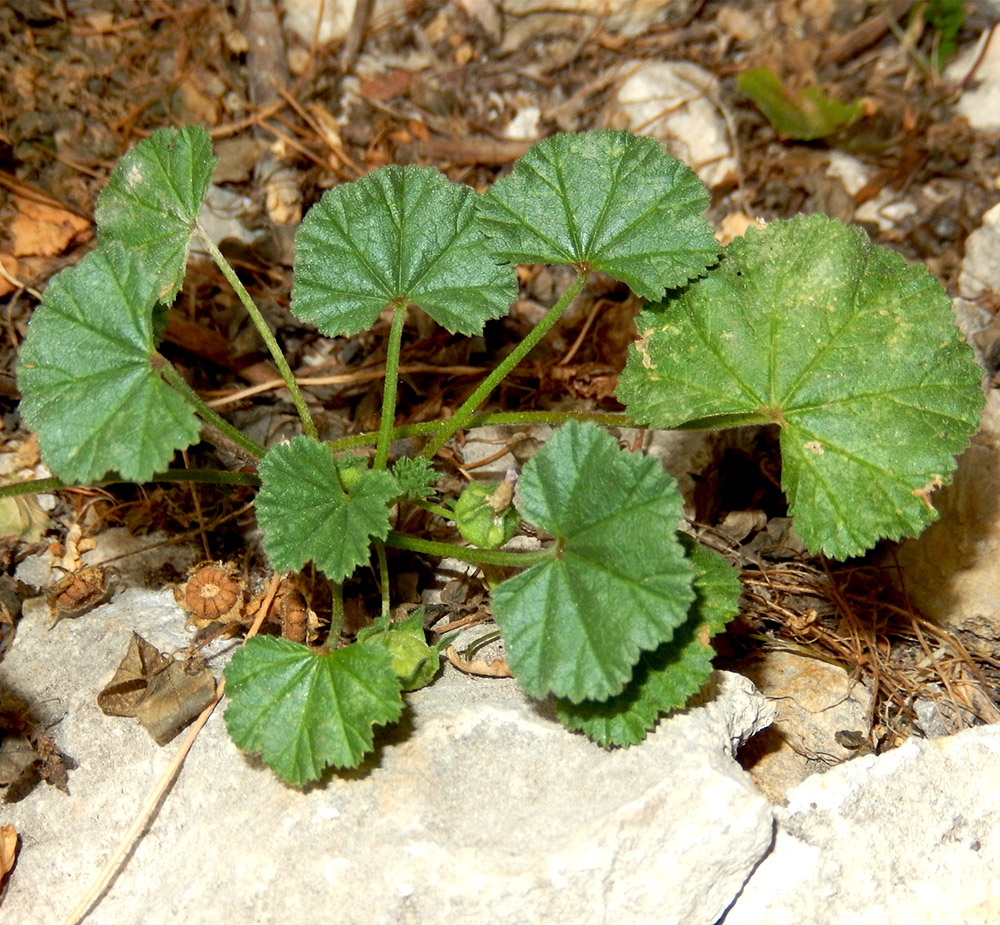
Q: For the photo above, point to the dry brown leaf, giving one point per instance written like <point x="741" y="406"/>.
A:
<point x="497" y="668"/>
<point x="16" y="757"/>
<point x="27" y="754"/>
<point x="53" y="766"/>
<point x="40" y="230"/>
<point x="10" y="266"/>
<point x="22" y="517"/>
<point x="165" y="695"/>
<point x="122" y="694"/>
<point x="174" y="699"/>
<point x="9" y="844"/>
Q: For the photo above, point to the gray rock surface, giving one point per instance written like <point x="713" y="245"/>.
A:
<point x="950" y="571"/>
<point x="980" y="100"/>
<point x="814" y="701"/>
<point x="478" y="807"/>
<point x="906" y="838"/>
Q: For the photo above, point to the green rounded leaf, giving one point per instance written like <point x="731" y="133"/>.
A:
<point x="153" y="199"/>
<point x="312" y="507"/>
<point x="400" y="235"/>
<point x="609" y="201"/>
<point x="303" y="710"/>
<point x="664" y="680"/>
<point x="88" y="389"/>
<point x="618" y="583"/>
<point x="852" y="352"/>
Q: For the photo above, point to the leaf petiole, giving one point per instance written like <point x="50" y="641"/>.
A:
<point x="336" y="613"/>
<point x="265" y="332"/>
<point x="469" y="553"/>
<point x="213" y="417"/>
<point x="461" y="418"/>
<point x="432" y="508"/>
<point x="389" y="391"/>
<point x="207" y="476"/>
<point x="383" y="576"/>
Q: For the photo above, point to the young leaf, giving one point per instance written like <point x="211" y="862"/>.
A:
<point x="312" y="507"/>
<point x="153" y="198"/>
<point x="945" y="18"/>
<point x="84" y="372"/>
<point x="305" y="710"/>
<point x="415" y="477"/>
<point x="619" y="582"/>
<point x="810" y="113"/>
<point x="609" y="201"/>
<point x="664" y="680"/>
<point x="854" y="354"/>
<point x="399" y="235"/>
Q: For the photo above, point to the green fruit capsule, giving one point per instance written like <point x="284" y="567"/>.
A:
<point x="484" y="514"/>
<point x="414" y="662"/>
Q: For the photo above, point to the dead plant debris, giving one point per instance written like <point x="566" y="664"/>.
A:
<point x="442" y="84"/>
<point x="165" y="694"/>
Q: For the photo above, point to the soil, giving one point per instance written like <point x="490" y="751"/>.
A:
<point x="439" y="84"/>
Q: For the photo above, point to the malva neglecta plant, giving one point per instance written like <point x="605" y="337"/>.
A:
<point x="804" y="324"/>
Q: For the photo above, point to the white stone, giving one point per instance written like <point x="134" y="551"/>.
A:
<point x="524" y="126"/>
<point x="886" y="209"/>
<point x="221" y="217"/>
<point x="814" y="700"/>
<point x="906" y="838"/>
<point x="677" y="102"/>
<point x="950" y="571"/>
<point x="854" y="174"/>
<point x="979" y="102"/>
<point x="630" y="18"/>
<point x="478" y="807"/>
<point x="300" y="17"/>
<point x="981" y="267"/>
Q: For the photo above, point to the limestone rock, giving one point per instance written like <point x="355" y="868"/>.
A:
<point x="906" y="837"/>
<point x="980" y="102"/>
<point x="950" y="571"/>
<point x="814" y="701"/>
<point x="677" y="102"/>
<point x="477" y="807"/>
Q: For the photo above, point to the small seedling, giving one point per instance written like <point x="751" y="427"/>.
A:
<point x="805" y="324"/>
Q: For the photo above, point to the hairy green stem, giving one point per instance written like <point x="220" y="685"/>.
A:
<point x="209" y="476"/>
<point x="432" y="508"/>
<point x="205" y="476"/>
<point x="383" y="575"/>
<point x="468" y="553"/>
<point x="265" y="332"/>
<point x="497" y="418"/>
<point x="336" y="613"/>
<point x="389" y="390"/>
<point x="213" y="417"/>
<point x="31" y="487"/>
<point x="463" y="415"/>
